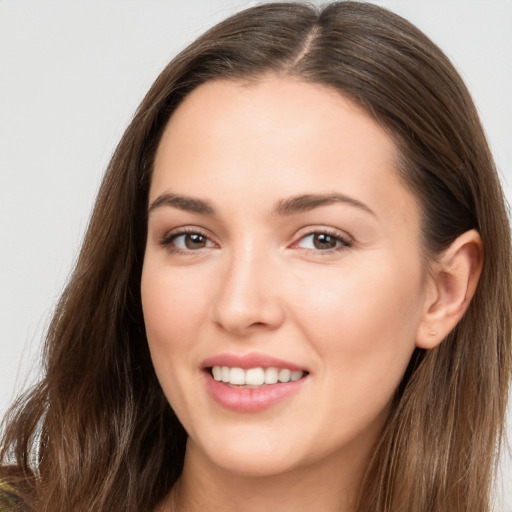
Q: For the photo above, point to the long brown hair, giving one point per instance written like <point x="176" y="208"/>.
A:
<point x="97" y="433"/>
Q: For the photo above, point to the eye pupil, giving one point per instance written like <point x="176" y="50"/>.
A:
<point x="324" y="241"/>
<point x="195" y="241"/>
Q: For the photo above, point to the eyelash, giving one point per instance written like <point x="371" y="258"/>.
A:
<point x="344" y="242"/>
<point x="167" y="240"/>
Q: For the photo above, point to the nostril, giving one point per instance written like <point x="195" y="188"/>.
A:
<point x="258" y="324"/>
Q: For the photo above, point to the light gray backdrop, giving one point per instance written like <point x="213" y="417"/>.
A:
<point x="71" y="75"/>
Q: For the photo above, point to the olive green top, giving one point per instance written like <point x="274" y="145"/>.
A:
<point x="6" y="498"/>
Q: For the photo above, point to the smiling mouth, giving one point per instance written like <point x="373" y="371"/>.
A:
<point x="254" y="377"/>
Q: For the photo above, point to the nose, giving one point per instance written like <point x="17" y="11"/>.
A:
<point x="248" y="296"/>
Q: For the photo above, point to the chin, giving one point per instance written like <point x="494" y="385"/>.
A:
<point x="260" y="466"/>
<point x="252" y="455"/>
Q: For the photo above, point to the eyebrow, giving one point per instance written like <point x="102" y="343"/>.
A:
<point x="307" y="202"/>
<point x="283" y="207"/>
<point x="189" y="204"/>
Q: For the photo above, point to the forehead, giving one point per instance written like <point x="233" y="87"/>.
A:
<point x="284" y="111"/>
<point x="275" y="138"/>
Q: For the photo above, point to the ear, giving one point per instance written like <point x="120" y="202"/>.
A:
<point x="451" y="286"/>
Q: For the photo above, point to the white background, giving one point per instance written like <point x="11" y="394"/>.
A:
<point x="71" y="75"/>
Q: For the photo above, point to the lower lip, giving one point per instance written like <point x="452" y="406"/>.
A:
<point x="251" y="399"/>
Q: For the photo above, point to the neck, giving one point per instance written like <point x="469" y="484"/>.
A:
<point x="328" y="486"/>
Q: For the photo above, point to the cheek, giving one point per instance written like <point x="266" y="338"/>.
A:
<point x="171" y="303"/>
<point x="364" y="322"/>
<point x="364" y="335"/>
<point x="174" y="310"/>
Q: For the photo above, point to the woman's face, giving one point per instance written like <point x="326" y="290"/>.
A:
<point x="283" y="252"/>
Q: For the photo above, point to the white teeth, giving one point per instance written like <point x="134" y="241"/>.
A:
<point x="217" y="373"/>
<point x="237" y="376"/>
<point x="225" y="374"/>
<point x="254" y="376"/>
<point x="271" y="375"/>
<point x="295" y="376"/>
<point x="284" y="375"/>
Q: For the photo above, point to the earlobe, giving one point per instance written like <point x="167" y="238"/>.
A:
<point x="452" y="284"/>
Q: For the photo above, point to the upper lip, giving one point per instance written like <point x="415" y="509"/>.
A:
<point x="251" y="360"/>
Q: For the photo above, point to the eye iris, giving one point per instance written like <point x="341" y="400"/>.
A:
<point x="195" y="241"/>
<point x="324" y="241"/>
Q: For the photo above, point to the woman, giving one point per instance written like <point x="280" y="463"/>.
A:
<point x="302" y="246"/>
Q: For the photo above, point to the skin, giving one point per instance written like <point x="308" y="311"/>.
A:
<point x="350" y="314"/>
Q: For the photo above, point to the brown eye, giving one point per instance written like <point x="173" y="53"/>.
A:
<point x="194" y="241"/>
<point x="324" y="241"/>
<point x="187" y="242"/>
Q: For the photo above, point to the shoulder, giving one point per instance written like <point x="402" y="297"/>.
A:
<point x="7" y="501"/>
